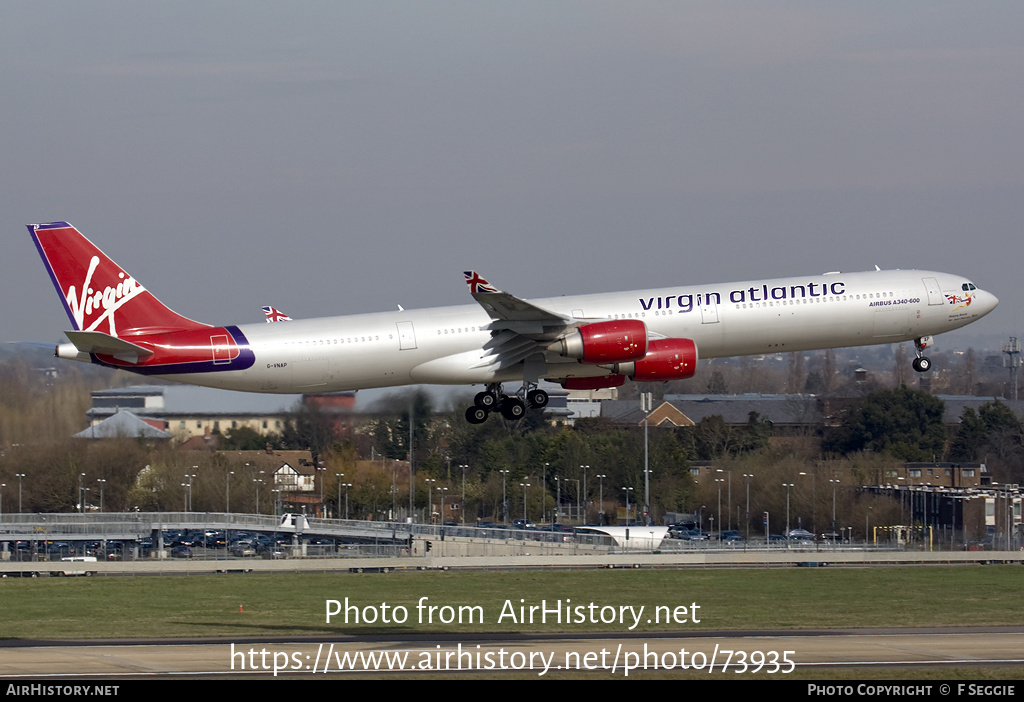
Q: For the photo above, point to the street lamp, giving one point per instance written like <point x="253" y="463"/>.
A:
<point x="544" y="495"/>
<point x="442" y="490"/>
<point x="814" y="499"/>
<point x="256" y="482"/>
<point x="558" y="498"/>
<point x="346" y="486"/>
<point x="600" y="496"/>
<point x="504" y="500"/>
<point x="524" y="486"/>
<point x="719" y="481"/>
<point x="748" y="476"/>
<point x="584" y="468"/>
<point x="627" y="490"/>
<point x="19" y="476"/>
<point x="728" y="499"/>
<point x="787" y="486"/>
<point x="835" y="484"/>
<point x="463" y="510"/>
<point x="430" y="499"/>
<point x="339" y="476"/>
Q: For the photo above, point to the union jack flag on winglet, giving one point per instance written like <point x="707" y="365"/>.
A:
<point x="273" y="315"/>
<point x="476" y="283"/>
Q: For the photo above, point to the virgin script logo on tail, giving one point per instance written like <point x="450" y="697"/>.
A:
<point x="94" y="305"/>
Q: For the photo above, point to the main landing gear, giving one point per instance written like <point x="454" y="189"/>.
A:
<point x="922" y="363"/>
<point x="512" y="407"/>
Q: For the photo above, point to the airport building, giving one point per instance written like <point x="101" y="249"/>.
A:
<point x="187" y="411"/>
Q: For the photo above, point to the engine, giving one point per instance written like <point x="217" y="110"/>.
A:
<point x="605" y="342"/>
<point x="666" y="359"/>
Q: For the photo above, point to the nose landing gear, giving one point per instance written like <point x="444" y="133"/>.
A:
<point x="922" y="363"/>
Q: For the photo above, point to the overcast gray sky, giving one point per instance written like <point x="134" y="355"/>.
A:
<point x="335" y="157"/>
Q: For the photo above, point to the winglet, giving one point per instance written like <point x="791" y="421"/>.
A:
<point x="477" y="284"/>
<point x="275" y="315"/>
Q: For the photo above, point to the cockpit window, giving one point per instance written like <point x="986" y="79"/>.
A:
<point x="968" y="286"/>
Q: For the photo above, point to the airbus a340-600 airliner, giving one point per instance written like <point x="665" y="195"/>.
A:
<point x="582" y="342"/>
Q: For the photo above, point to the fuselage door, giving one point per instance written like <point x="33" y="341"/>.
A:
<point x="406" y="336"/>
<point x="935" y="296"/>
<point x="709" y="311"/>
<point x="221" y="349"/>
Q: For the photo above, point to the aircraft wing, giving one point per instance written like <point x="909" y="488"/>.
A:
<point x="519" y="329"/>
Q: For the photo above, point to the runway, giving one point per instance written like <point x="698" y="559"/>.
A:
<point x="776" y="653"/>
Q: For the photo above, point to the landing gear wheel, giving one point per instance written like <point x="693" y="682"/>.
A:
<point x="475" y="415"/>
<point x="485" y="400"/>
<point x="512" y="408"/>
<point x="537" y="399"/>
<point x="921" y="364"/>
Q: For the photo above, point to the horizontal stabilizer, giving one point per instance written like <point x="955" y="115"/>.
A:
<point x="98" y="342"/>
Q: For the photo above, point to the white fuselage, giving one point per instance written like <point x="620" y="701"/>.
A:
<point x="444" y="345"/>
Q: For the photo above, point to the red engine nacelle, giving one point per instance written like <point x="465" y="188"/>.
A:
<point x="605" y="342"/>
<point x="666" y="359"/>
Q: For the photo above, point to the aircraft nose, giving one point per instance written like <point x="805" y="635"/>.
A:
<point x="989" y="302"/>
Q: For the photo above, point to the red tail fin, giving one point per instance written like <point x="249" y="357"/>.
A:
<point x="99" y="295"/>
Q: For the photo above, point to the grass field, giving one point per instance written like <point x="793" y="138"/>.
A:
<point x="294" y="604"/>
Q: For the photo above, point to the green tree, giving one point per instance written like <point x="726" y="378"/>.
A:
<point x="903" y="423"/>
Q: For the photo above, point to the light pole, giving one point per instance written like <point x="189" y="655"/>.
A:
<point x="600" y="496"/>
<point x="102" y="482"/>
<point x="227" y="491"/>
<point x="323" y="478"/>
<point x="646" y="405"/>
<point x="719" y="481"/>
<point x="504" y="499"/>
<point x="430" y="499"/>
<point x="787" y="486"/>
<point x="544" y="495"/>
<point x="558" y="498"/>
<point x="835" y="484"/>
<point x="814" y="499"/>
<point x="443" y="490"/>
<point x="19" y="476"/>
<point x="463" y="509"/>
<point x="339" y="476"/>
<point x="728" y="499"/>
<point x="748" y="476"/>
<point x="585" y="468"/>
<point x="627" y="490"/>
<point x="524" y="486"/>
